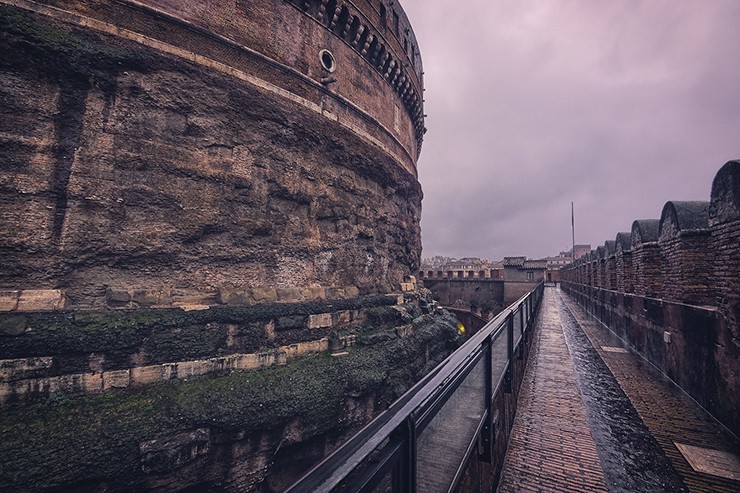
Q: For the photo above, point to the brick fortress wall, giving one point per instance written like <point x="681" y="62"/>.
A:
<point x="677" y="300"/>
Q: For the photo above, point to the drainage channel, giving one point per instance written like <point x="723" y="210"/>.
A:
<point x="631" y="458"/>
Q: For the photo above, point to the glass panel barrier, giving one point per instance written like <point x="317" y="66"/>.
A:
<point x="442" y="444"/>
<point x="518" y="326"/>
<point x="499" y="358"/>
<point x="386" y="484"/>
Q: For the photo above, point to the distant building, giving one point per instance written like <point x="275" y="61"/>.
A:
<point x="554" y="264"/>
<point x="466" y="267"/>
<point x="564" y="258"/>
<point x="519" y="269"/>
<point x="581" y="250"/>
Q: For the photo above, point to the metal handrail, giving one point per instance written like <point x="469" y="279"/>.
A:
<point x="390" y="439"/>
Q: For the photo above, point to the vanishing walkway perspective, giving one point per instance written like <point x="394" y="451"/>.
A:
<point x="593" y="416"/>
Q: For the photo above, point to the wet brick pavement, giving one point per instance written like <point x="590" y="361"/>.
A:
<point x="551" y="446"/>
<point x="591" y="419"/>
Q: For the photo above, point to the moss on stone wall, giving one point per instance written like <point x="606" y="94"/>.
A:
<point x="94" y="440"/>
<point x="63" y="50"/>
<point x="164" y="335"/>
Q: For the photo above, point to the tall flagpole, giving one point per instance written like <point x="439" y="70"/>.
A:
<point x="573" y="230"/>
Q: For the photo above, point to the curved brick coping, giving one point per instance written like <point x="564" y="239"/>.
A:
<point x="680" y="218"/>
<point x="725" y="198"/>
<point x="645" y="231"/>
<point x="94" y="382"/>
<point x="344" y="118"/>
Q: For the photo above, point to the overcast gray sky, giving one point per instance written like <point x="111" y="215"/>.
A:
<point x="616" y="105"/>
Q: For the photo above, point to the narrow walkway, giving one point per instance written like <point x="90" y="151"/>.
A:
<point x="595" y="417"/>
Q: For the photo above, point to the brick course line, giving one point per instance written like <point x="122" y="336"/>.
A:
<point x="551" y="447"/>
<point x="669" y="414"/>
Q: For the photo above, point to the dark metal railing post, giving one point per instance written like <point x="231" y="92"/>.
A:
<point x="486" y="455"/>
<point x="509" y="352"/>
<point x="520" y="351"/>
<point x="406" y="478"/>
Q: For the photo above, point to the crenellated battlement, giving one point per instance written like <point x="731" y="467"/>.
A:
<point x="681" y="257"/>
<point x="671" y="289"/>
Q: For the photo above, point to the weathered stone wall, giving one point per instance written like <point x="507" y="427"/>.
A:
<point x="92" y="352"/>
<point x="694" y="346"/>
<point x="514" y="290"/>
<point x="233" y="431"/>
<point x="684" y="315"/>
<point x="201" y="216"/>
<point x="480" y="291"/>
<point x="154" y="164"/>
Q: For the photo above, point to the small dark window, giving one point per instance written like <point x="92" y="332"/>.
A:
<point x="406" y="46"/>
<point x="327" y="60"/>
<point x="382" y="17"/>
<point x="396" y="23"/>
<point x="530" y="276"/>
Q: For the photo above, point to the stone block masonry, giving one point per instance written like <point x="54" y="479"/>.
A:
<point x="193" y="189"/>
<point x="32" y="300"/>
<point x="81" y="353"/>
<point x="202" y="422"/>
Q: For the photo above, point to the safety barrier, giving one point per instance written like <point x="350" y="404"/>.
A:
<point x="424" y="440"/>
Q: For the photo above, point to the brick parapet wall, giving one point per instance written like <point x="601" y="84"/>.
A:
<point x="592" y="273"/>
<point x="648" y="264"/>
<point x="683" y="314"/>
<point x="460" y="274"/>
<point x="687" y="268"/>
<point x="610" y="273"/>
<point x="600" y="273"/>
<point x="725" y="244"/>
<point x="624" y="277"/>
<point x="694" y="346"/>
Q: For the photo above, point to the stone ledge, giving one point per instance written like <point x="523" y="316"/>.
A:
<point x="127" y="297"/>
<point x="11" y="368"/>
<point x="96" y="382"/>
<point x="32" y="300"/>
<point x="319" y="321"/>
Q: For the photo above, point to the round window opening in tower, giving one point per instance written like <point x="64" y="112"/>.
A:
<point x="327" y="60"/>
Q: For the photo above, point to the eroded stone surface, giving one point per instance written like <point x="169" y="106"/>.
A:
<point x="129" y="176"/>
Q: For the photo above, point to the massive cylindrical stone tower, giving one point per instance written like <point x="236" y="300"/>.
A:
<point x="252" y="162"/>
<point x="195" y="153"/>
